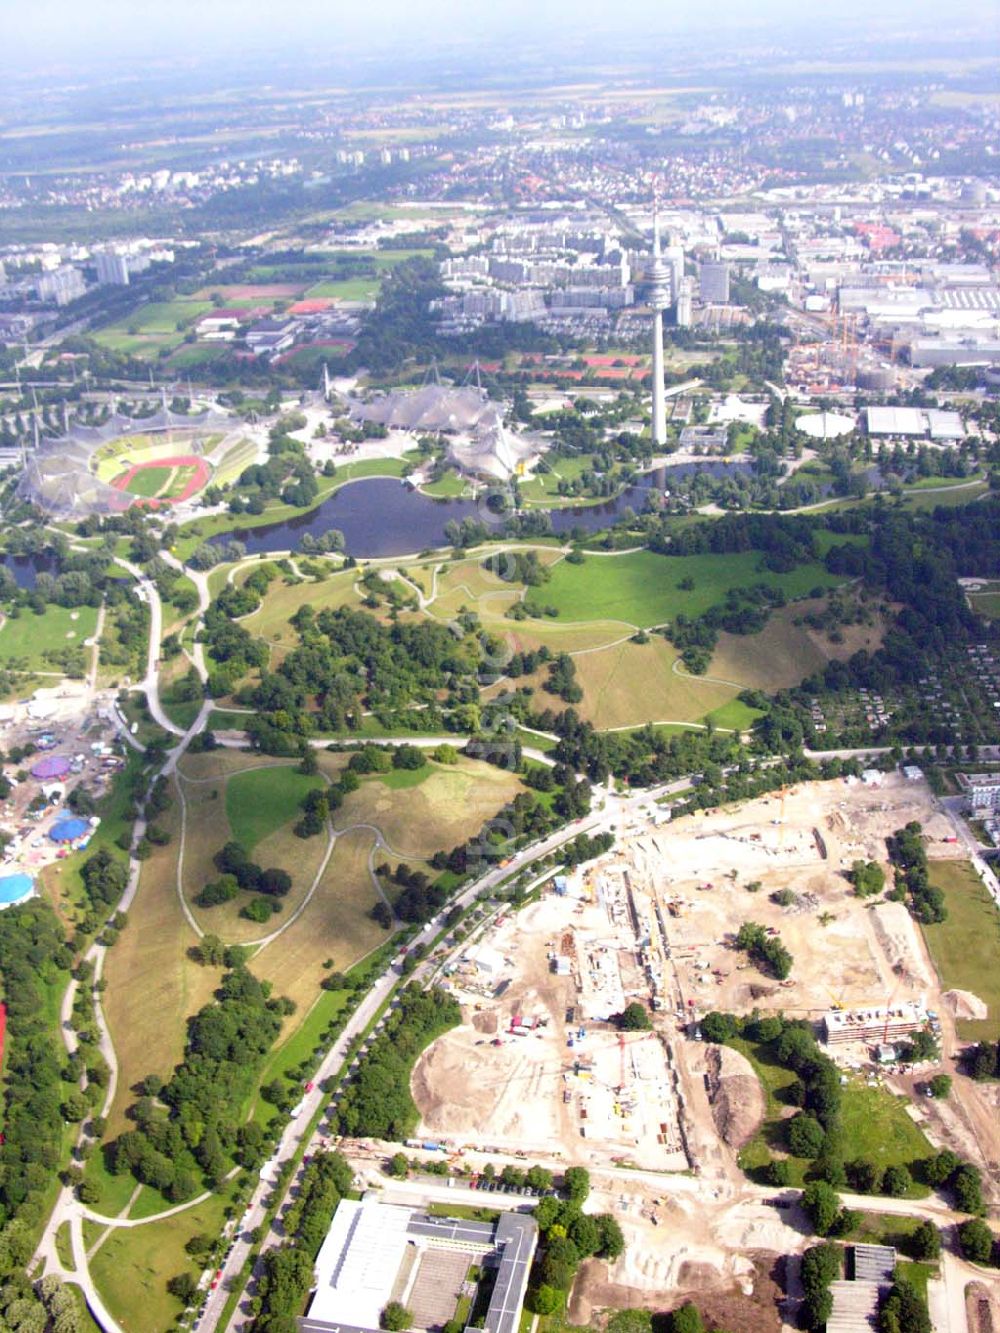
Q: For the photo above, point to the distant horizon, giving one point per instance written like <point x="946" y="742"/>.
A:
<point x="51" y="33"/>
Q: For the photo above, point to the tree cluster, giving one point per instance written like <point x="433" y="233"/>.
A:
<point x="377" y="1102"/>
<point x="568" y="1236"/>
<point x="191" y="1130"/>
<point x="33" y="952"/>
<point x="765" y="948"/>
<point x="907" y="854"/>
<point x="288" y="1270"/>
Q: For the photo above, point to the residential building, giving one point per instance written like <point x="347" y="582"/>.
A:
<point x="877" y="1024"/>
<point x="713" y="282"/>
<point x="982" y="790"/>
<point x="112" y="268"/>
<point x="61" y="286"/>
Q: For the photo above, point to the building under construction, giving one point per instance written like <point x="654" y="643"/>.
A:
<point x="879" y="1024"/>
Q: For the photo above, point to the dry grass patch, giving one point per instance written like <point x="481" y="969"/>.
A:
<point x="206" y="829"/>
<point x="270" y="620"/>
<point x="784" y="653"/>
<point x="301" y="857"/>
<point x="467" y="583"/>
<point x="528" y="634"/>
<point x="444" y="810"/>
<point x="633" y="683"/>
<point x="153" y="987"/>
<point x="335" y="925"/>
<point x="331" y="765"/>
<point x="220" y="764"/>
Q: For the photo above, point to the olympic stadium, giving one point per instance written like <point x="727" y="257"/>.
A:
<point x="166" y="459"/>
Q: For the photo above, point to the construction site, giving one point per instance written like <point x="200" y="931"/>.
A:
<point x="540" y="1063"/>
<point x="782" y="863"/>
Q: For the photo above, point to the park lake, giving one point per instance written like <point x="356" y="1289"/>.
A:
<point x="379" y="516"/>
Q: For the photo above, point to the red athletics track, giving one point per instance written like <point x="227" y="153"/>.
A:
<point x="198" y="480"/>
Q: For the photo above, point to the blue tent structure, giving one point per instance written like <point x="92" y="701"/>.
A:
<point x="68" y="829"/>
<point x="14" y="889"/>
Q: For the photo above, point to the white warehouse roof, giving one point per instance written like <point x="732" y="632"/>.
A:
<point x="945" y="425"/>
<point x="358" y="1262"/>
<point x="914" y="421"/>
<point x="896" y="421"/>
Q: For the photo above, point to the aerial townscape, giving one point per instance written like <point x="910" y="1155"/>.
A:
<point x="500" y="667"/>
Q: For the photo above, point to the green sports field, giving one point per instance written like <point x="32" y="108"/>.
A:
<point x="149" y="481"/>
<point x="152" y="327"/>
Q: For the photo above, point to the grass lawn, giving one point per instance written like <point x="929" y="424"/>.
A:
<point x="133" y="1266"/>
<point x="221" y="719"/>
<point x="965" y="948"/>
<point x="152" y="326"/>
<point x="26" y="639"/>
<point x="631" y="683"/>
<point x="259" y="802"/>
<point x="282" y="600"/>
<point x="300" y="1045"/>
<point x="64" y="1247"/>
<point x="954" y="495"/>
<point x="542" y="488"/>
<point x="182" y="712"/>
<point x="876" y="1126"/>
<point x="349" y="289"/>
<point x="734" y="716"/>
<point x="334" y="925"/>
<point x="885" y="1229"/>
<point x="153" y="986"/>
<point x="987" y="602"/>
<point x="466" y="1210"/>
<point x="115" y="1190"/>
<point x="942" y="483"/>
<point x="874" y="1123"/>
<point x="448" y="806"/>
<point x="640" y="587"/>
<point x="448" y="487"/>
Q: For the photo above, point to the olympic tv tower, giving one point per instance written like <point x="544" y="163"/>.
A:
<point x="659" y="279"/>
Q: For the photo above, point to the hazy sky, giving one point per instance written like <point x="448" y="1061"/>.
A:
<point x="54" y="30"/>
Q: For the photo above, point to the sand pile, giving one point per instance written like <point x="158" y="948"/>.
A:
<point x="735" y="1094"/>
<point x="963" y="1004"/>
<point x="898" y="937"/>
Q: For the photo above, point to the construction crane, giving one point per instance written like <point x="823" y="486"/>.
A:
<point x="621" y="1053"/>
<point x="888" y="1009"/>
